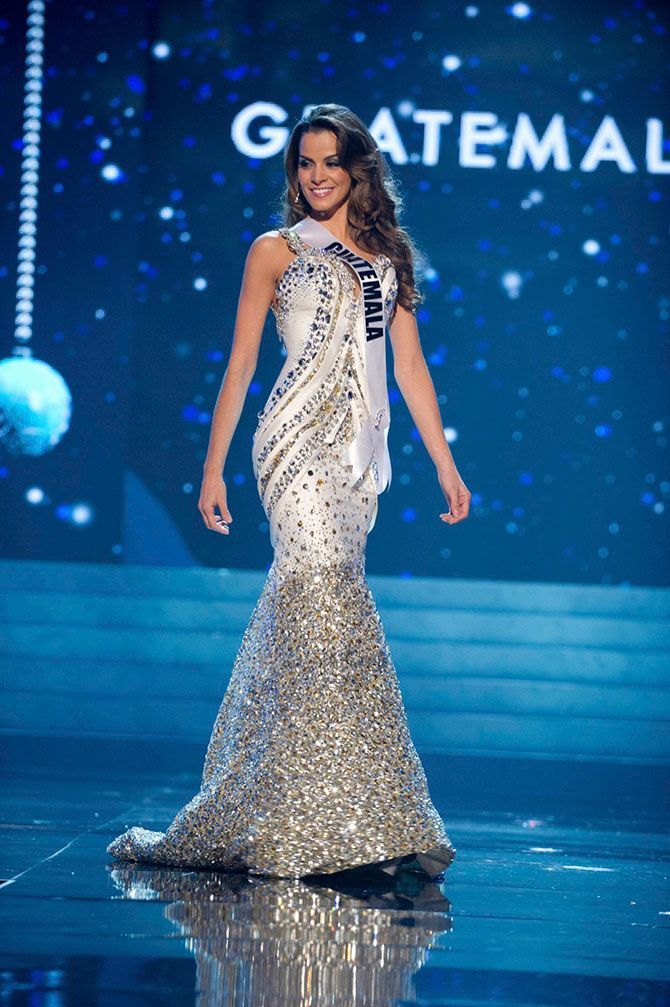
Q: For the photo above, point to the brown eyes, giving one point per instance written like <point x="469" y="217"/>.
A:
<point x="329" y="164"/>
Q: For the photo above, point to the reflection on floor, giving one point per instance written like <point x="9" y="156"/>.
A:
<point x="558" y="894"/>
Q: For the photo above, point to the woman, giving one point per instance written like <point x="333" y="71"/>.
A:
<point x="310" y="767"/>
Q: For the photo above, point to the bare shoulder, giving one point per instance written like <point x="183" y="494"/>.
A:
<point x="268" y="252"/>
<point x="268" y="245"/>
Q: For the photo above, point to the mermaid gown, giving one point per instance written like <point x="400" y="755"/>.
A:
<point x="310" y="767"/>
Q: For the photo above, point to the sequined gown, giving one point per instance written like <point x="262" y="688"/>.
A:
<point x="310" y="767"/>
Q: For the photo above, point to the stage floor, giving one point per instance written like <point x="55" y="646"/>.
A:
<point x="558" y="894"/>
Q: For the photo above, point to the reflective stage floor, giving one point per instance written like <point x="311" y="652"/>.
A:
<point x="558" y="894"/>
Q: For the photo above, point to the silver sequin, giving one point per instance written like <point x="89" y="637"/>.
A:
<point x="310" y="767"/>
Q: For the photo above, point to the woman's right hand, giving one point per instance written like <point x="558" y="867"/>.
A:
<point x="213" y="494"/>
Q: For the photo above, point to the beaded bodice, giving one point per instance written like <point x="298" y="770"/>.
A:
<point x="321" y="392"/>
<point x="314" y="277"/>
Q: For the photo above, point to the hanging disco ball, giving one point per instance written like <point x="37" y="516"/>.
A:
<point x="35" y="406"/>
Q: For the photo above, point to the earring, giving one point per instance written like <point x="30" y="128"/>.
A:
<point x="297" y="196"/>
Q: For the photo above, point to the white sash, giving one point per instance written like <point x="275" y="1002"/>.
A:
<point x="373" y="435"/>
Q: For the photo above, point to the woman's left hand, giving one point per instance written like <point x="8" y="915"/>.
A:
<point x="457" y="495"/>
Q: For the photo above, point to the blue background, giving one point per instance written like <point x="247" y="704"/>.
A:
<point x="556" y="399"/>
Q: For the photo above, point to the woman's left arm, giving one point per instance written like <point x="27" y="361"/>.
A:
<point x="416" y="386"/>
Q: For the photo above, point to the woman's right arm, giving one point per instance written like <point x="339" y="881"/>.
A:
<point x="262" y="266"/>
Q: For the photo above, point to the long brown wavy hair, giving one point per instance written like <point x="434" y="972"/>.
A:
<point x="374" y="202"/>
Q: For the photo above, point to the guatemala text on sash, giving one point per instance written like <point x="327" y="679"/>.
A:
<point x="373" y="437"/>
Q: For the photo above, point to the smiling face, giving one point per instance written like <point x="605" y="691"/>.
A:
<point x="324" y="183"/>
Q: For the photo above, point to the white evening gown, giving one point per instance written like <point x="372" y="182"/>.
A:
<point x="310" y="768"/>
